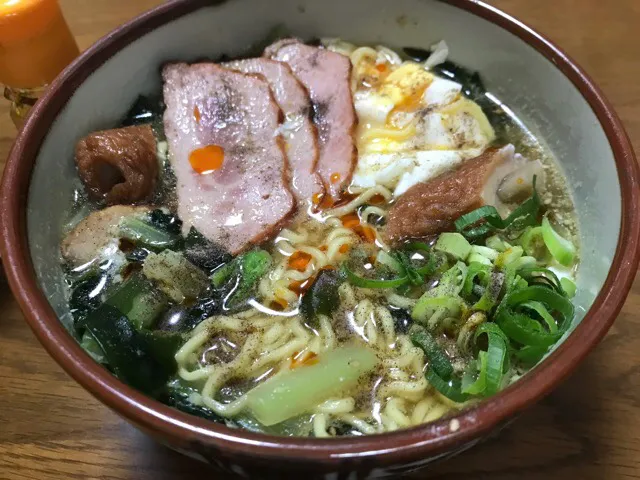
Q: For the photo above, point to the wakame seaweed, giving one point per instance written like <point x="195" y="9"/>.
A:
<point x="204" y="253"/>
<point x="322" y="297"/>
<point x="133" y="357"/>
<point x="146" y="110"/>
<point x="86" y="295"/>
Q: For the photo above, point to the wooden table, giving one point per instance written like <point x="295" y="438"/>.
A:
<point x="588" y="429"/>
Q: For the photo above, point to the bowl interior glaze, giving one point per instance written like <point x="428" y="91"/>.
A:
<point x="96" y="91"/>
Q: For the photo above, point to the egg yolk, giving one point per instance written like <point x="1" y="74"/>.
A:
<point x="207" y="159"/>
<point x="335" y="178"/>
<point x="406" y="85"/>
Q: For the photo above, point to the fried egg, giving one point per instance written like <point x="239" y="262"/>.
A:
<point x="413" y="125"/>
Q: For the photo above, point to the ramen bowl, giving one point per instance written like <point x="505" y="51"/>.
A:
<point x="521" y="68"/>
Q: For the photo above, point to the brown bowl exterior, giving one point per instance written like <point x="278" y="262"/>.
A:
<point x="254" y="455"/>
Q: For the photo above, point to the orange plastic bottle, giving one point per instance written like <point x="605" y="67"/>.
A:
<point x="35" y="45"/>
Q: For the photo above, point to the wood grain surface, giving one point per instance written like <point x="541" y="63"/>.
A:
<point x="588" y="429"/>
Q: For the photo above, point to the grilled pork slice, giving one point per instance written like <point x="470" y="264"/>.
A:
<point x="298" y="130"/>
<point x="429" y="208"/>
<point x="326" y="75"/>
<point x="229" y="161"/>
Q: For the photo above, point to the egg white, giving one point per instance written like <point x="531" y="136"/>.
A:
<point x="414" y="126"/>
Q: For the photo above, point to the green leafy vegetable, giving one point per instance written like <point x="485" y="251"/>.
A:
<point x="144" y="234"/>
<point x="86" y="295"/>
<point x="241" y="276"/>
<point x="139" y="300"/>
<point x="181" y="397"/>
<point x="89" y="344"/>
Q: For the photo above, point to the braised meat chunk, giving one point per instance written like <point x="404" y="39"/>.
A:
<point x="119" y="166"/>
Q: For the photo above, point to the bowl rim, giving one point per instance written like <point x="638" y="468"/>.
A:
<point x="405" y="445"/>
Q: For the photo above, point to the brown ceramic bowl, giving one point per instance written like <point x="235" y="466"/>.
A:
<point x="531" y="75"/>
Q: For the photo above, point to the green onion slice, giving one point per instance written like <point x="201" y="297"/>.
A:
<point x="530" y="355"/>
<point x="524" y="329"/>
<point x="561" y="249"/>
<point x="497" y="360"/>
<point x="362" y="282"/>
<point x="491" y="293"/>
<point x="541" y="310"/>
<point x="568" y="286"/>
<point x="436" y="356"/>
<point x="479" y="386"/>
<point x="449" y="388"/>
<point x="475" y="270"/>
<point x="486" y="219"/>
<point x="543" y="277"/>
<point x="427" y="306"/>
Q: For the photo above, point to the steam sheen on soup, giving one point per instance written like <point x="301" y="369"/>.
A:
<point x="326" y="240"/>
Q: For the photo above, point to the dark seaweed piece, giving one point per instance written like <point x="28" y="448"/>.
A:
<point x="163" y="347"/>
<point x="178" y="396"/>
<point x="401" y="319"/>
<point x="86" y="296"/>
<point x="166" y="221"/>
<point x="137" y="254"/>
<point x="322" y="297"/>
<point x="300" y="426"/>
<point x="373" y="219"/>
<point x="204" y="253"/>
<point x="417" y="54"/>
<point x="146" y="110"/>
<point x="184" y="319"/>
<point x="131" y="355"/>
<point x="342" y="429"/>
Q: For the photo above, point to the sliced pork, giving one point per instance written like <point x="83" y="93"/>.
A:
<point x="327" y="76"/>
<point x="120" y="165"/>
<point x="229" y="161"/>
<point x="432" y="207"/>
<point x="298" y="130"/>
